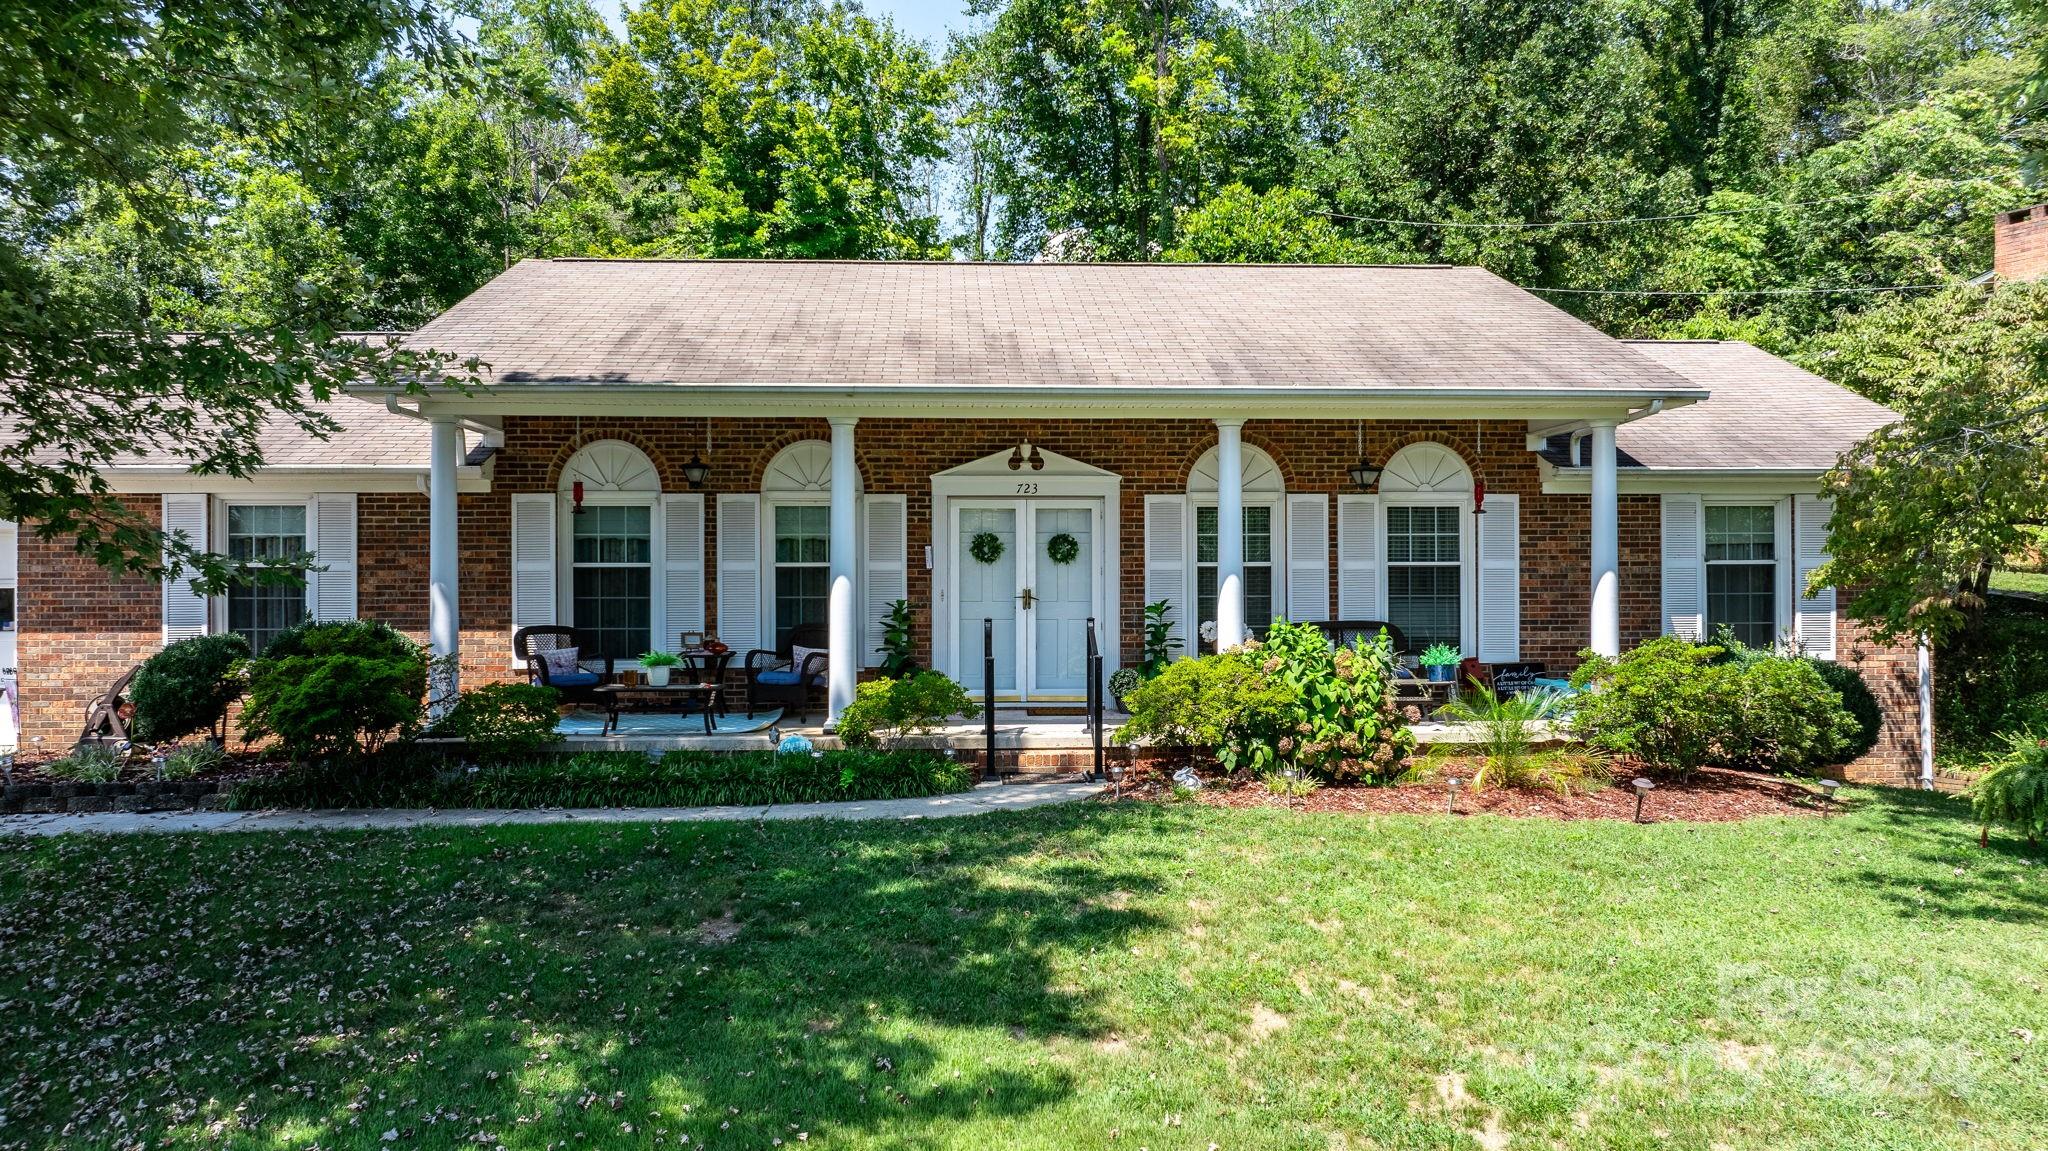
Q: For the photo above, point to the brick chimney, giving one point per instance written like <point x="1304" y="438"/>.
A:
<point x="2019" y="244"/>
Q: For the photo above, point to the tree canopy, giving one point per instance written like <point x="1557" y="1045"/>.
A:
<point x="196" y="198"/>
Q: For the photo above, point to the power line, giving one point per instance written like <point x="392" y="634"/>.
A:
<point x="1752" y="292"/>
<point x="1523" y="225"/>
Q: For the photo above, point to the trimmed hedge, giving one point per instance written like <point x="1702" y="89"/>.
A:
<point x="409" y="777"/>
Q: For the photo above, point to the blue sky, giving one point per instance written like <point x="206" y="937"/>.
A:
<point x="928" y="20"/>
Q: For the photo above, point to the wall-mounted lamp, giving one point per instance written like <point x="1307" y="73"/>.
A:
<point x="1364" y="473"/>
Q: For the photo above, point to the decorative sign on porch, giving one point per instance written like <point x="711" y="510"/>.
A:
<point x="1062" y="548"/>
<point x="985" y="547"/>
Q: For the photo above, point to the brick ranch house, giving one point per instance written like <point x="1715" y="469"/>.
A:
<point x="739" y="447"/>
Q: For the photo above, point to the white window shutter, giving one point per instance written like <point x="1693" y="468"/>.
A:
<point x="1684" y="567"/>
<point x="1308" y="557"/>
<point x="184" y="608"/>
<point x="888" y="571"/>
<point x="1358" y="558"/>
<point x="331" y="591"/>
<point x="682" y="561"/>
<point x="739" y="572"/>
<point x="533" y="560"/>
<point x="1815" y="624"/>
<point x="1500" y="580"/>
<point x="1166" y="560"/>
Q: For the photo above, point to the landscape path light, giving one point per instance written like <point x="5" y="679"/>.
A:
<point x="1643" y="789"/>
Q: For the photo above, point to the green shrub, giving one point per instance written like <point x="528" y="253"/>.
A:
<point x="335" y="688"/>
<point x="1160" y="642"/>
<point x="1507" y="727"/>
<point x="1679" y="706"/>
<point x="504" y="720"/>
<point x="901" y="707"/>
<point x="1342" y="724"/>
<point x="193" y="760"/>
<point x="1224" y="703"/>
<point x="89" y="763"/>
<point x="899" y="640"/>
<point x="1847" y="682"/>
<point x="1991" y="679"/>
<point x="187" y="687"/>
<point x="2014" y="791"/>
<point x="404" y="776"/>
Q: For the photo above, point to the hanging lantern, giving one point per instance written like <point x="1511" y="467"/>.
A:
<point x="1364" y="473"/>
<point x="695" y="471"/>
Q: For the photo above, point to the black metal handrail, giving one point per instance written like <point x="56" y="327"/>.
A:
<point x="988" y="694"/>
<point x="1095" y="698"/>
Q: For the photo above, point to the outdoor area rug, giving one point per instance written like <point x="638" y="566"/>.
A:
<point x="581" y="723"/>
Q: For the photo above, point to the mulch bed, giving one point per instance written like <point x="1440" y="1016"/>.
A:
<point x="1712" y="795"/>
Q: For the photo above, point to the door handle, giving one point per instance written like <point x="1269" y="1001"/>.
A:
<point x="1028" y="598"/>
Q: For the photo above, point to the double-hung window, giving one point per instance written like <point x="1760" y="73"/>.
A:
<point x="1742" y="571"/>
<point x="1258" y="566"/>
<point x="803" y="566"/>
<point x="259" y="534"/>
<point x="1425" y="574"/>
<point x="613" y="560"/>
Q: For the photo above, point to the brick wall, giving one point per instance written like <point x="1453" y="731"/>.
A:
<point x="79" y="629"/>
<point x="69" y="606"/>
<point x="2020" y="243"/>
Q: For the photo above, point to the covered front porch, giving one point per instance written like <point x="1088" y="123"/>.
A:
<point x="1008" y="530"/>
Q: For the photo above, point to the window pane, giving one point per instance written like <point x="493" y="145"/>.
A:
<point x="1205" y="535"/>
<point x="1423" y="602"/>
<point x="803" y="534"/>
<point x="613" y="535"/>
<point x="613" y="609"/>
<point x="260" y="611"/>
<point x="1205" y="600"/>
<point x="260" y="533"/>
<point x="1741" y="533"/>
<point x="1745" y="598"/>
<point x="1258" y="600"/>
<point x="1258" y="535"/>
<point x="1422" y="534"/>
<point x="800" y="598"/>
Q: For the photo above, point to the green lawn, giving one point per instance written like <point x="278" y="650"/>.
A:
<point x="1131" y="976"/>
<point x="2036" y="582"/>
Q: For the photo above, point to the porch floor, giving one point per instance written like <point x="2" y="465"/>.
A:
<point x="1015" y="731"/>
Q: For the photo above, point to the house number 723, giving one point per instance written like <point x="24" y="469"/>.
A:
<point x="1027" y="489"/>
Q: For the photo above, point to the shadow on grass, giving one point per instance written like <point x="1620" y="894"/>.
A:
<point x="1955" y="876"/>
<point x="621" y="985"/>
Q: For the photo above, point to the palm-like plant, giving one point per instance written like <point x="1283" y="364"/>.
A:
<point x="1505" y="725"/>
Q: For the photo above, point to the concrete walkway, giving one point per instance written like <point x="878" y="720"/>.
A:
<point x="984" y="797"/>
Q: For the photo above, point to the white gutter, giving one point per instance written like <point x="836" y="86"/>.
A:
<point x="1571" y="446"/>
<point x="492" y="436"/>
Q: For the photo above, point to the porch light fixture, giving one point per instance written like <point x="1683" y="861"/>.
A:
<point x="1643" y="788"/>
<point x="1364" y="473"/>
<point x="697" y="471"/>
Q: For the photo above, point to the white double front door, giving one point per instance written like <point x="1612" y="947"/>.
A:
<point x="1035" y="597"/>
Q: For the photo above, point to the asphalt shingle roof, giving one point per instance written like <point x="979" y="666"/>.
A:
<point x="1016" y="326"/>
<point x="1764" y="413"/>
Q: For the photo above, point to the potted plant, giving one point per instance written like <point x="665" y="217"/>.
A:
<point x="1439" y="662"/>
<point x="658" y="665"/>
<point x="1122" y="682"/>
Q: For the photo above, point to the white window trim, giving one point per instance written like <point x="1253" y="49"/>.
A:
<point x="657" y="577"/>
<point x="768" y="565"/>
<point x="1468" y="559"/>
<point x="1276" y="505"/>
<point x="1784" y="610"/>
<point x="217" y="542"/>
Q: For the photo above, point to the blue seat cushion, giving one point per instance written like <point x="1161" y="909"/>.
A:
<point x="574" y="679"/>
<point x="782" y="677"/>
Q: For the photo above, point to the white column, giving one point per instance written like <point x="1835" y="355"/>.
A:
<point x="444" y="613"/>
<point x="843" y="631"/>
<point x="1229" y="534"/>
<point x="1606" y="627"/>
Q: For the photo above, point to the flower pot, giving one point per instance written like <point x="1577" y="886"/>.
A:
<point x="657" y="676"/>
<point x="1440" y="672"/>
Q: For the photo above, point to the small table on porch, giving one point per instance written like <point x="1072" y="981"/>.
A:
<point x="708" y="698"/>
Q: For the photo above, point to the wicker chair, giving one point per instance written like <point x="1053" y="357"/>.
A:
<point x="529" y="644"/>
<point x="772" y="678"/>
